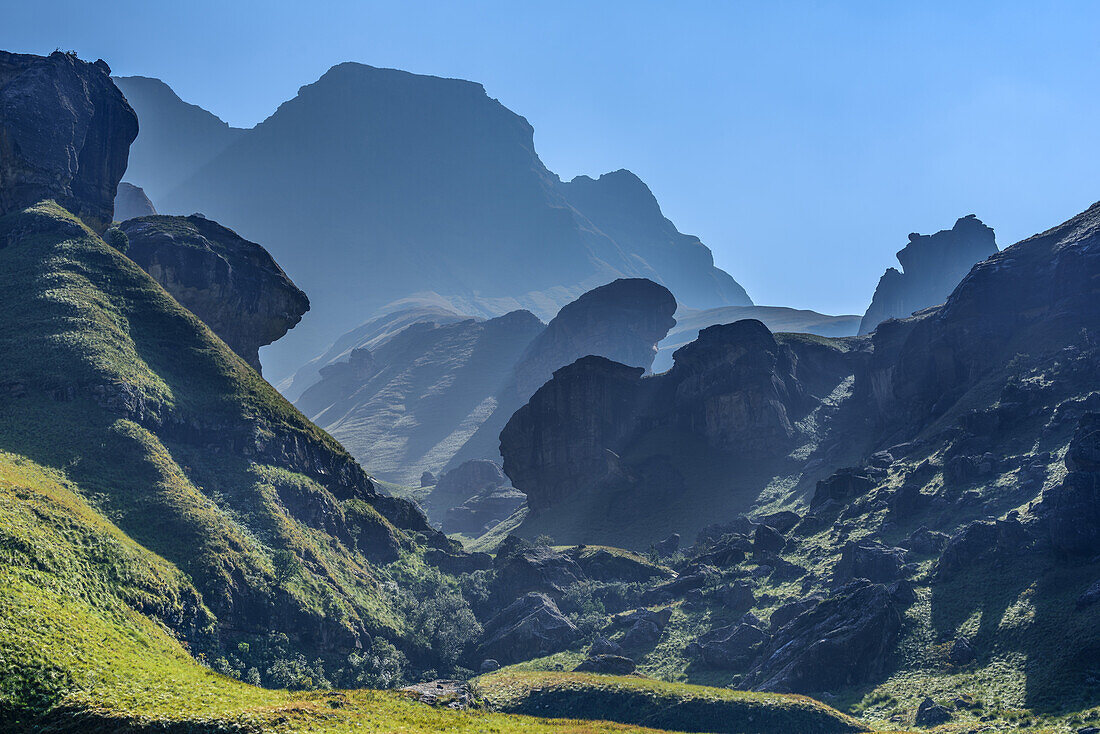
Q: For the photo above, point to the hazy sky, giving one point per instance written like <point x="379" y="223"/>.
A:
<point x="801" y="141"/>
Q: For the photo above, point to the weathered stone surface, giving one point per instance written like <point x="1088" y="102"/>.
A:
<point x="611" y="564"/>
<point x="842" y="641"/>
<point x="767" y="540"/>
<point x="962" y="652"/>
<point x="473" y="497"/>
<point x="522" y="568"/>
<point x="737" y="597"/>
<point x="454" y="694"/>
<point x="933" y="265"/>
<point x="65" y="134"/>
<point x="925" y="541"/>
<point x="668" y="546"/>
<point x="930" y="713"/>
<point x="607" y="665"/>
<point x="730" y="648"/>
<point x="604" y="646"/>
<point x="529" y="627"/>
<point x="786" y="612"/>
<point x="869" y="560"/>
<point x="233" y="285"/>
<point x="131" y="202"/>
<point x="458" y="562"/>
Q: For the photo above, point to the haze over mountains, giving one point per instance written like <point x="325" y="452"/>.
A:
<point x="375" y="184"/>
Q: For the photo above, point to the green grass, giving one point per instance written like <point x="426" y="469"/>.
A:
<point x="636" y="700"/>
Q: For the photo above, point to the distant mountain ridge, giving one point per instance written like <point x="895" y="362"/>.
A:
<point x="375" y="184"/>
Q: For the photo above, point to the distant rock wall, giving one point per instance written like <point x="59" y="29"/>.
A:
<point x="933" y="265"/>
<point x="131" y="202"/>
<point x="65" y="134"/>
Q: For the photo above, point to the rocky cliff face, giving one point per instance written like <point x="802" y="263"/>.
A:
<point x="65" y="134"/>
<point x="735" y="390"/>
<point x="232" y="284"/>
<point x="932" y="265"/>
<point x="131" y="202"/>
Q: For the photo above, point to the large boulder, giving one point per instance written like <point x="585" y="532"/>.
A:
<point x="606" y="665"/>
<point x="233" y="285"/>
<point x="871" y="560"/>
<point x="614" y="564"/>
<point x="522" y="567"/>
<point x="529" y="627"/>
<point x="731" y="648"/>
<point x="997" y="541"/>
<point x="65" y="134"/>
<point x="933" y="265"/>
<point x="843" y="485"/>
<point x="843" y="640"/>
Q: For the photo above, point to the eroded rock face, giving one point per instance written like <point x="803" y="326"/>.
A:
<point x="841" y="641"/>
<point x="1072" y="509"/>
<point x="933" y="265"/>
<point x="529" y="627"/>
<point x="131" y="202"/>
<point x="65" y="134"/>
<point x="463" y="482"/>
<point x="232" y="284"/>
<point x="484" y="510"/>
<point x="565" y="436"/>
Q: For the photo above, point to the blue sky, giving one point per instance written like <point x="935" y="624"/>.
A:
<point x="801" y="141"/>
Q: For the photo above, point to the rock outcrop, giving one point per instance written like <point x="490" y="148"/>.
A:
<point x="65" y="134"/>
<point x="1072" y="509"/>
<point x="232" y="284"/>
<point x="456" y="486"/>
<point x="735" y="390"/>
<point x="841" y="641"/>
<point x="529" y="627"/>
<point x="933" y="265"/>
<point x="131" y="202"/>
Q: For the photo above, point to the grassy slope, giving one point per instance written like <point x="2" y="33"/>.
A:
<point x="634" y="700"/>
<point x="76" y="656"/>
<point x="80" y="316"/>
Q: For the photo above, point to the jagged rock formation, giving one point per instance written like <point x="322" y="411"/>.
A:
<point x="736" y="388"/>
<point x="689" y="322"/>
<point x="531" y="626"/>
<point x="411" y="400"/>
<point x="232" y="284"/>
<point x="131" y="202"/>
<point x="473" y="497"/>
<point x="1072" y="509"/>
<point x="933" y="265"/>
<point x="410" y="184"/>
<point x="463" y="482"/>
<point x="65" y="133"/>
<point x="483" y="511"/>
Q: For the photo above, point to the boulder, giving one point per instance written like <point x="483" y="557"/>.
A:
<point x="489" y="666"/>
<point x="925" y="542"/>
<point x="529" y="627"/>
<point x="603" y="646"/>
<point x="736" y="597"/>
<point x="725" y="551"/>
<point x="522" y="568"/>
<point x="613" y="564"/>
<point x="843" y="640"/>
<point x="868" y="559"/>
<point x="783" y="521"/>
<point x="454" y="694"/>
<point x="767" y="539"/>
<point x="233" y="285"/>
<point x="606" y="665"/>
<point x="65" y="134"/>
<point x="843" y="485"/>
<point x="457" y="562"/>
<point x="962" y="652"/>
<point x="131" y="202"/>
<point x="930" y="713"/>
<point x="427" y="479"/>
<point x="693" y="577"/>
<point x="728" y="648"/>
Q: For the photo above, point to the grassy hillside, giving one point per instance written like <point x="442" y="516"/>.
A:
<point x="180" y="445"/>
<point x="634" y="700"/>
